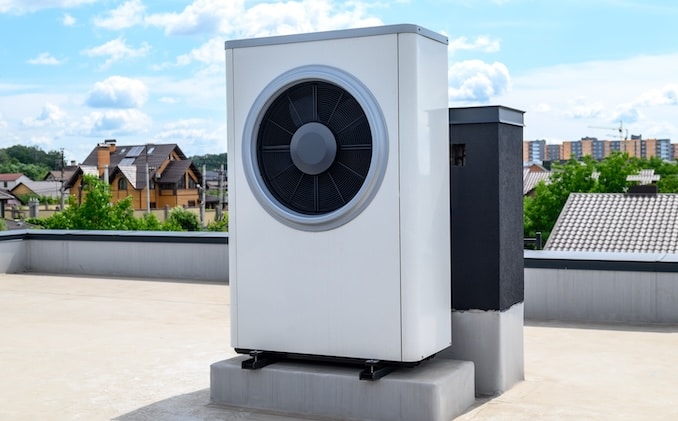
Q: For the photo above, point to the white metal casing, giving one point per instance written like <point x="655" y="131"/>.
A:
<point x="377" y="286"/>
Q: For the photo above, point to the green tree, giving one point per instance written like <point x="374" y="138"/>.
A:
<point x="668" y="184"/>
<point x="149" y="222"/>
<point x="210" y="161"/>
<point x="541" y="210"/>
<point x="613" y="171"/>
<point x="668" y="172"/>
<point x="96" y="211"/>
<point x="34" y="155"/>
<point x="181" y="219"/>
<point x="32" y="171"/>
<point x="219" y="225"/>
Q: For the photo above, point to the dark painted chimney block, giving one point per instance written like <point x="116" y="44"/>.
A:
<point x="486" y="186"/>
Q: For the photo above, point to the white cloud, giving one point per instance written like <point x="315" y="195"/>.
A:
<point x="262" y="19"/>
<point x="3" y="122"/>
<point x="117" y="92"/>
<point x="114" y="123"/>
<point x="168" y="100"/>
<point x="201" y="16"/>
<point x="481" y="43"/>
<point x="45" y="59"/>
<point x="477" y="81"/>
<point x="43" y="140"/>
<point x="68" y="20"/>
<point x="584" y="107"/>
<point x="126" y="15"/>
<point x="542" y="108"/>
<point x="266" y="19"/>
<point x="667" y="95"/>
<point x="638" y="90"/>
<point x="26" y="6"/>
<point x="116" y="50"/>
<point x="194" y="133"/>
<point x="209" y="53"/>
<point x="627" y="113"/>
<point x="50" y="116"/>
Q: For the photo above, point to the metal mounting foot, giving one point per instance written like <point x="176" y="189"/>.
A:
<point x="259" y="359"/>
<point x="375" y="370"/>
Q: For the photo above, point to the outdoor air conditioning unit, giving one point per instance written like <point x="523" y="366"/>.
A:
<point x="338" y="163"/>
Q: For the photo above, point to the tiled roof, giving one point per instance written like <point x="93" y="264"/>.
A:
<point x="174" y="171"/>
<point x="617" y="222"/>
<point x="532" y="178"/>
<point x="137" y="155"/>
<point x="644" y="177"/>
<point x="43" y="188"/>
<point x="10" y="176"/>
<point x="130" y="173"/>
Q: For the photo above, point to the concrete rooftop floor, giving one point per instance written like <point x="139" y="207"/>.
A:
<point x="92" y="348"/>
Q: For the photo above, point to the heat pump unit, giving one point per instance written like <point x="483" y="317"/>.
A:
<point x="338" y="165"/>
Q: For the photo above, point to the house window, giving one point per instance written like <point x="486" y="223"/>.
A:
<point x="191" y="203"/>
<point x="122" y="184"/>
<point x="181" y="184"/>
<point x="191" y="183"/>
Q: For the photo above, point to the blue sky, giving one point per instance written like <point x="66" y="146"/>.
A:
<point x="76" y="72"/>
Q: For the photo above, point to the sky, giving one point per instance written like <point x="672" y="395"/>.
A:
<point x="76" y="72"/>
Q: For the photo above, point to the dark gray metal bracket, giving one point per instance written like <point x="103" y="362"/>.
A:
<point x="375" y="370"/>
<point x="259" y="360"/>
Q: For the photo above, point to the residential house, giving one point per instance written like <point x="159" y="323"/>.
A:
<point x="171" y="177"/>
<point x="61" y="175"/>
<point x="4" y="199"/>
<point x="9" y="181"/>
<point x="37" y="189"/>
<point x="532" y="175"/>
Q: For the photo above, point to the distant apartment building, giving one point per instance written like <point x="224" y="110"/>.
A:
<point x="660" y="148"/>
<point x="636" y="146"/>
<point x="534" y="151"/>
<point x="591" y="146"/>
<point x="571" y="150"/>
<point x="553" y="152"/>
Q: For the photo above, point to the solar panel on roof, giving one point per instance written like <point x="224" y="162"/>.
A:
<point x="135" y="151"/>
<point x="126" y="161"/>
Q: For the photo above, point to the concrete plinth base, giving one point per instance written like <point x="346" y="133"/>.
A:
<point x="436" y="390"/>
<point x="493" y="340"/>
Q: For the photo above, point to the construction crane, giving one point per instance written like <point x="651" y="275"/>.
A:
<point x="622" y="133"/>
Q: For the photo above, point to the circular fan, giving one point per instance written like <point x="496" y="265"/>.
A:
<point x="314" y="147"/>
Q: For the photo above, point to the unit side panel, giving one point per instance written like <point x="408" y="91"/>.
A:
<point x="232" y="201"/>
<point x="332" y="292"/>
<point x="424" y="197"/>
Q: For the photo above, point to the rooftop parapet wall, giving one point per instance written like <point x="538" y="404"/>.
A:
<point x="601" y="287"/>
<point x="563" y="286"/>
<point x="201" y="256"/>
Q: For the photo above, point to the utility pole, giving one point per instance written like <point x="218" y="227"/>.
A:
<point x="220" y="208"/>
<point x="203" y="187"/>
<point x="148" y="184"/>
<point x="63" y="183"/>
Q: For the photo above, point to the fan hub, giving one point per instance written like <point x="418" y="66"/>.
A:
<point x="313" y="148"/>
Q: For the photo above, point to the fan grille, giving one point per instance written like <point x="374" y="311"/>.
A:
<point x="332" y="106"/>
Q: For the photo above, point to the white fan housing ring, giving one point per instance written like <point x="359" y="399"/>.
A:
<point x="314" y="161"/>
